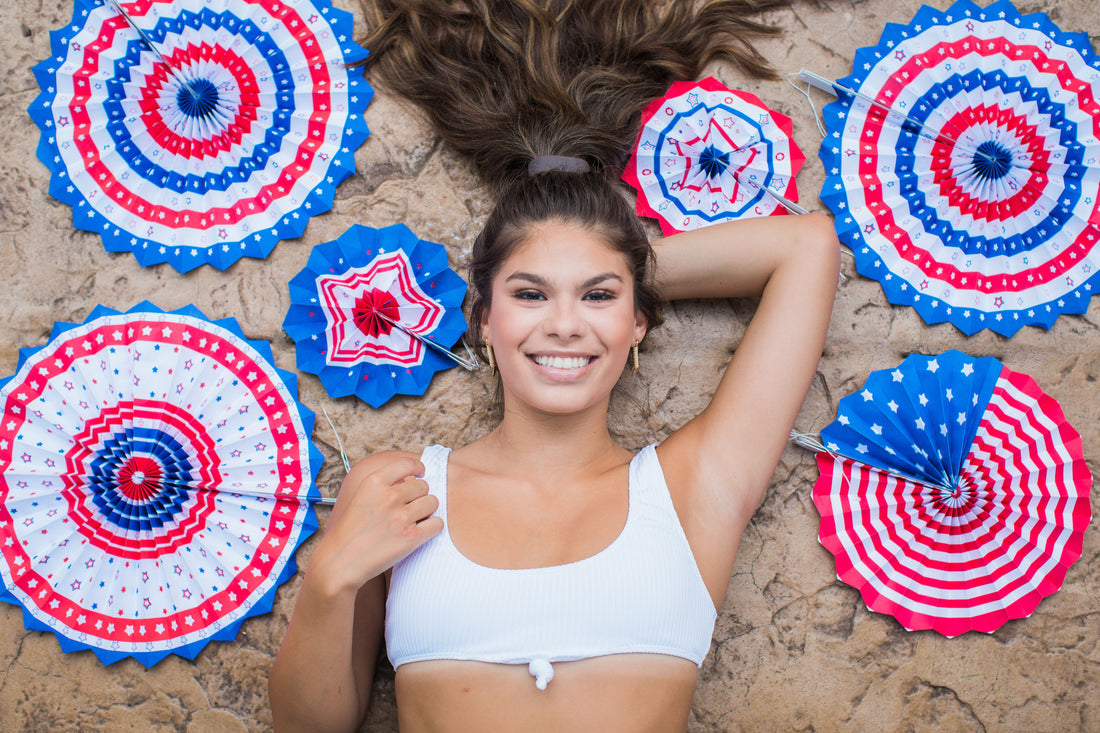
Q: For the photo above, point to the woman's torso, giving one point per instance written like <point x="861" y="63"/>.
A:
<point x="624" y="627"/>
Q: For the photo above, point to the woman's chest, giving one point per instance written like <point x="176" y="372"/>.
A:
<point x="515" y="524"/>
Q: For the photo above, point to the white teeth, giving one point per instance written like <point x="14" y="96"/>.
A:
<point x="562" y="362"/>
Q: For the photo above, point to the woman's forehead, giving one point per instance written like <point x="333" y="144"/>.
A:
<point x="563" y="248"/>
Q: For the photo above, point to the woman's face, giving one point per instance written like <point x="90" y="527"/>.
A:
<point x="562" y="320"/>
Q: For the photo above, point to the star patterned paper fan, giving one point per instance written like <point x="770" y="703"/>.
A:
<point x="375" y="312"/>
<point x="953" y="493"/>
<point x="707" y="154"/>
<point x="963" y="166"/>
<point x="218" y="133"/>
<point x="156" y="478"/>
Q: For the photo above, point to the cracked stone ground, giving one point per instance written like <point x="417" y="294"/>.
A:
<point x="794" y="648"/>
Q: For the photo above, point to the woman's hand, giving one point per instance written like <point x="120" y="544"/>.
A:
<point x="322" y="677"/>
<point x="383" y="512"/>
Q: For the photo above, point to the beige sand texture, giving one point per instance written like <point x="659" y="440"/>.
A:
<point x="794" y="648"/>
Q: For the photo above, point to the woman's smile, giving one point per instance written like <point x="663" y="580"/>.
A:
<point x="562" y="362"/>
<point x="562" y="368"/>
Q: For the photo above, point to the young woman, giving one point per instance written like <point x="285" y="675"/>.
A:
<point x="543" y="577"/>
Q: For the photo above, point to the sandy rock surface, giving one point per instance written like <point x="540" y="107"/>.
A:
<point x="794" y="648"/>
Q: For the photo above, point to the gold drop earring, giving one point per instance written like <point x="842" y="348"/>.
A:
<point x="492" y="361"/>
<point x="634" y="358"/>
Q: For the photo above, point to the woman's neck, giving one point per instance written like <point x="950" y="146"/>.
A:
<point x="556" y="443"/>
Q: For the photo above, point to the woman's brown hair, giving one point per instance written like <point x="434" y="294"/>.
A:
<point x="506" y="81"/>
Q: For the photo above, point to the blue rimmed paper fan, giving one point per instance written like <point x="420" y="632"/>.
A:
<point x="188" y="134"/>
<point x="156" y="478"/>
<point x="375" y="313"/>
<point x="963" y="166"/>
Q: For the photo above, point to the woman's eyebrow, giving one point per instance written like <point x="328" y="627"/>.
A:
<point x="590" y="282"/>
<point x="543" y="282"/>
<point x="529" y="277"/>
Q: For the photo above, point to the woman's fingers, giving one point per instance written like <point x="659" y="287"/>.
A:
<point x="379" y="481"/>
<point x="422" y="507"/>
<point x="428" y="528"/>
<point x="398" y="469"/>
<point x="410" y="488"/>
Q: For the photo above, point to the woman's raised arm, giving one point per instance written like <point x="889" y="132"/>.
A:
<point x="719" y="464"/>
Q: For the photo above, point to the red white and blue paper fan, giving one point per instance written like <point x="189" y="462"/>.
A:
<point x="707" y="154"/>
<point x="963" y="166"/>
<point x="156" y="478"/>
<point x="215" y="142"/>
<point x="953" y="493"/>
<point x="375" y="312"/>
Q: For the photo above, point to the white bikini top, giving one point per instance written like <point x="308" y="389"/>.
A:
<point x="641" y="594"/>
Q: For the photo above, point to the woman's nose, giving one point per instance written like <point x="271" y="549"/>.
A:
<point x="564" y="320"/>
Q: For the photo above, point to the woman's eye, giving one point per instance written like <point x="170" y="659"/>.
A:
<point x="528" y="295"/>
<point x="599" y="295"/>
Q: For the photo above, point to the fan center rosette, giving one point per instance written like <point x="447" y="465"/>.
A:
<point x="375" y="312"/>
<point x="156" y="474"/>
<point x="136" y="467"/>
<point x="215" y="138"/>
<point x="961" y="164"/>
<point x="953" y="493"/>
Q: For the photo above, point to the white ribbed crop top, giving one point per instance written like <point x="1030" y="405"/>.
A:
<point x="641" y="594"/>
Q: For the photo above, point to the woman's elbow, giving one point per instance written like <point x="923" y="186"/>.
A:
<point x="818" y="241"/>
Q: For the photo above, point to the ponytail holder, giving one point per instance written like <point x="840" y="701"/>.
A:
<point x="561" y="163"/>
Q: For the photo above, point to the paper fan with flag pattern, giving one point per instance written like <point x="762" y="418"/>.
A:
<point x="953" y="493"/>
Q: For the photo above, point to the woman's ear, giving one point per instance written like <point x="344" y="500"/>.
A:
<point x="641" y="326"/>
<point x="481" y="313"/>
<point x="485" y="330"/>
